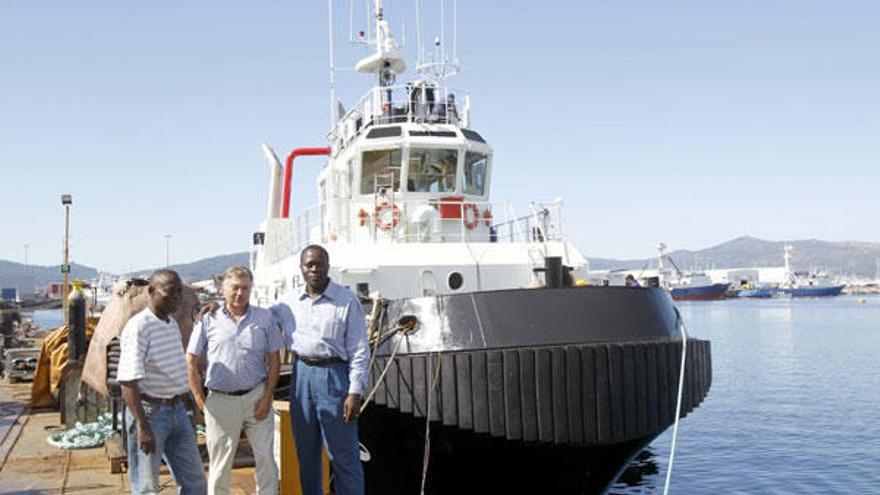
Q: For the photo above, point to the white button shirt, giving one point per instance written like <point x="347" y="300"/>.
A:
<point x="332" y="325"/>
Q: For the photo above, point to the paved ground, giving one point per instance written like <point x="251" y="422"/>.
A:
<point x="30" y="466"/>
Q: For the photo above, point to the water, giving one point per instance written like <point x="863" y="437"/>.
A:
<point x="46" y="319"/>
<point x="794" y="405"/>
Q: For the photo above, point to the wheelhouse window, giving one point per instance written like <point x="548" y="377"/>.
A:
<point x="431" y="170"/>
<point x="380" y="169"/>
<point x="475" y="165"/>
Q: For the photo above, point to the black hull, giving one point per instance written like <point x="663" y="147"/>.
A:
<point x="529" y="389"/>
<point x="463" y="462"/>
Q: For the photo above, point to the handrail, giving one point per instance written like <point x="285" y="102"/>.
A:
<point x="356" y="221"/>
<point x="288" y="173"/>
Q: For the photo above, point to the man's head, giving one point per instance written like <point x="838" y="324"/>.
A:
<point x="314" y="261"/>
<point x="237" y="283"/>
<point x="165" y="292"/>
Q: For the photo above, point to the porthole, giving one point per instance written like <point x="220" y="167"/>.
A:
<point x="455" y="280"/>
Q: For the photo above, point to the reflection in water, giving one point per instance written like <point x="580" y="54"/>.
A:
<point x="639" y="477"/>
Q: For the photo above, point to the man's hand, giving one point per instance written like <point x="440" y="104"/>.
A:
<point x="146" y="439"/>
<point x="207" y="308"/>
<point x="261" y="408"/>
<point x="351" y="408"/>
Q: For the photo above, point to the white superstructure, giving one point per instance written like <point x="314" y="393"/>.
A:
<point x="404" y="200"/>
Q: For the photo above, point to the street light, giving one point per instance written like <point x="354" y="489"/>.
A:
<point x="66" y="200"/>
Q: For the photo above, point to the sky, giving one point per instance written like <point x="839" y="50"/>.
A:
<point x="690" y="122"/>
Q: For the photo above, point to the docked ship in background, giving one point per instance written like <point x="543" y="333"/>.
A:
<point x="528" y="381"/>
<point x="807" y="284"/>
<point x="687" y="286"/>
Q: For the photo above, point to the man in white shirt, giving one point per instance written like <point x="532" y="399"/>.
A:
<point x="241" y="344"/>
<point x="153" y="375"/>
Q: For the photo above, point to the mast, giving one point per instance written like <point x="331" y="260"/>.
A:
<point x="661" y="248"/>
<point x="332" y="66"/>
<point x="789" y="276"/>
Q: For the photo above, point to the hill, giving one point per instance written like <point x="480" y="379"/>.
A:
<point x="841" y="258"/>
<point x="43" y="275"/>
<point x="204" y="268"/>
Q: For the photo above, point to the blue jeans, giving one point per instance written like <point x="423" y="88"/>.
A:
<point x="316" y="418"/>
<point x="175" y="443"/>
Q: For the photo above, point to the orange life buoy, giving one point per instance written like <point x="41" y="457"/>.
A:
<point x="487" y="218"/>
<point x="387" y="215"/>
<point x="471" y="215"/>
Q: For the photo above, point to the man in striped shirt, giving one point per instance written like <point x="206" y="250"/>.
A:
<point x="153" y="374"/>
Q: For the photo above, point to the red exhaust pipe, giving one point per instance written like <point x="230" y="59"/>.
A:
<point x="288" y="173"/>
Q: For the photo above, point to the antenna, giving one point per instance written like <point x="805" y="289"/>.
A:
<point x="442" y="29"/>
<point x="332" y="68"/>
<point x="351" y="21"/>
<point x="455" y="31"/>
<point x="419" y="31"/>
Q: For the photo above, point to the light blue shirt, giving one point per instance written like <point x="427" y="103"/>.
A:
<point x="236" y="352"/>
<point x="332" y="325"/>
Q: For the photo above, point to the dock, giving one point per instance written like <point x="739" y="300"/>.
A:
<point x="28" y="464"/>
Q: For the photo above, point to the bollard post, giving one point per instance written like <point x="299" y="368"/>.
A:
<point x="76" y="323"/>
<point x="553" y="271"/>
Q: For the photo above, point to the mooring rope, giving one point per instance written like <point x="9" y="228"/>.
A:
<point x="683" y="328"/>
<point x="427" y="454"/>
<point x="382" y="376"/>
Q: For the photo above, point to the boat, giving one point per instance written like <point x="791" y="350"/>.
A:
<point x="806" y="284"/>
<point x="494" y="367"/>
<point x="757" y="292"/>
<point x="688" y="286"/>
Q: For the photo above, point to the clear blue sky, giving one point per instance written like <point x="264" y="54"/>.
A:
<point x="688" y="122"/>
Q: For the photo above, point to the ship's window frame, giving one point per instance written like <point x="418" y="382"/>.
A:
<point x="421" y="182"/>
<point x="468" y="185"/>
<point x="367" y="177"/>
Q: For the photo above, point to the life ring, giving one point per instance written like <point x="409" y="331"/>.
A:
<point x="471" y="215"/>
<point x="487" y="218"/>
<point x="387" y="215"/>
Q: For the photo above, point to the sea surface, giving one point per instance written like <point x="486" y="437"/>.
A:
<point x="794" y="406"/>
<point x="46" y="319"/>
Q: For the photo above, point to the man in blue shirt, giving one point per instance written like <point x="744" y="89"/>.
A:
<point x="241" y="344"/>
<point x="325" y="328"/>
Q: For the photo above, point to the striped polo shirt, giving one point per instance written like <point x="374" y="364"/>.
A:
<point x="152" y="353"/>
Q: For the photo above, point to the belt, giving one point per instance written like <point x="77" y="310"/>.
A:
<point x="319" y="361"/>
<point x="170" y="400"/>
<point x="236" y="393"/>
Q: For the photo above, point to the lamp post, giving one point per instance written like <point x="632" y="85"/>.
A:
<point x="66" y="200"/>
<point x="167" y="250"/>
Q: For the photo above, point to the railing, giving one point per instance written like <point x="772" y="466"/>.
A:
<point x="403" y="104"/>
<point x="414" y="221"/>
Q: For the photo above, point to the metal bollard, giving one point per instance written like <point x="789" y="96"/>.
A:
<point x="553" y="271"/>
<point x="76" y="323"/>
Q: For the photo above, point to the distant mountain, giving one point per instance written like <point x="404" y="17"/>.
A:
<point x="43" y="275"/>
<point x="841" y="258"/>
<point x="205" y="268"/>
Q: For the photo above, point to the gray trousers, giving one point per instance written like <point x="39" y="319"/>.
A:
<point x="225" y="417"/>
